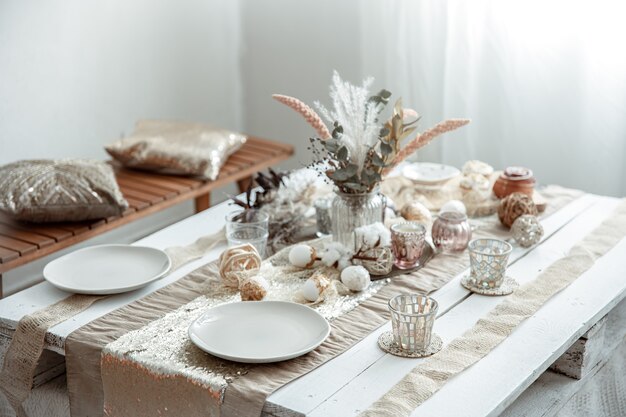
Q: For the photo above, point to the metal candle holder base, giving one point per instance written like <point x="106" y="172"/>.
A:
<point x="387" y="344"/>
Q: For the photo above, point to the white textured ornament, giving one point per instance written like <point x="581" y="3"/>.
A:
<point x="477" y="167"/>
<point x="454" y="205"/>
<point x="253" y="288"/>
<point x="416" y="212"/>
<point x="356" y="278"/>
<point x="315" y="286"/>
<point x="474" y="182"/>
<point x="302" y="256"/>
<point x="526" y="230"/>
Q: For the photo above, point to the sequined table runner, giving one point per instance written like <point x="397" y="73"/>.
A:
<point x="137" y="360"/>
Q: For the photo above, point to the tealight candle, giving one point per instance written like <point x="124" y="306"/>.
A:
<point x="412" y="319"/>
<point x="407" y="243"/>
<point x="488" y="262"/>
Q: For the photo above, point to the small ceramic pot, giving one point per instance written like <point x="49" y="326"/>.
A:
<point x="514" y="180"/>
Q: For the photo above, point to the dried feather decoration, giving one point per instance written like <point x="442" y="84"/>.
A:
<point x="360" y="149"/>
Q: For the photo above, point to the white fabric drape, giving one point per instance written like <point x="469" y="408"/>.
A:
<point x="544" y="82"/>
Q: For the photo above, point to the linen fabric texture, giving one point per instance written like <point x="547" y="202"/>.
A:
<point x="173" y="147"/>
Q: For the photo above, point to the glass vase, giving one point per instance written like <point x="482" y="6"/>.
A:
<point x="350" y="211"/>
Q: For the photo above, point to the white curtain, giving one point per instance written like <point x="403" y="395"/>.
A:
<point x="544" y="81"/>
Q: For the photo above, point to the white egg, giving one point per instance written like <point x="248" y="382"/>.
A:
<point x="356" y="278"/>
<point x="315" y="286"/>
<point x="253" y="289"/>
<point x="453" y="205"/>
<point x="302" y="256"/>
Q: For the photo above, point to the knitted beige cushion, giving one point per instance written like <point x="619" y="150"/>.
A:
<point x="176" y="148"/>
<point x="60" y="190"/>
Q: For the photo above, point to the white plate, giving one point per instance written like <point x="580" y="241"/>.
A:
<point x="107" y="269"/>
<point x="429" y="173"/>
<point x="259" y="331"/>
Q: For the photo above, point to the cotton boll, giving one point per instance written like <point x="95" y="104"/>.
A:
<point x="384" y="234"/>
<point x="372" y="235"/>
<point x="356" y="278"/>
<point x="302" y="256"/>
<point x="454" y="205"/>
<point x="315" y="286"/>
<point x="334" y="252"/>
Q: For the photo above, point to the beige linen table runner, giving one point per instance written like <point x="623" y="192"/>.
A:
<point x="432" y="374"/>
<point x="246" y="394"/>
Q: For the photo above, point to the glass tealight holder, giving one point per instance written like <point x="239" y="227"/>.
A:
<point x="322" y="216"/>
<point x="248" y="226"/>
<point x="412" y="319"/>
<point x="488" y="261"/>
<point x="451" y="231"/>
<point x="407" y="242"/>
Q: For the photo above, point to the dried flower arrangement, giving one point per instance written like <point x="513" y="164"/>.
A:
<point x="360" y="150"/>
<point x="286" y="197"/>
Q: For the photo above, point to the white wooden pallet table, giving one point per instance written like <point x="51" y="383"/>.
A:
<point x="347" y="384"/>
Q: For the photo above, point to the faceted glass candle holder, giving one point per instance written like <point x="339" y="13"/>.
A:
<point x="412" y="319"/>
<point x="248" y="226"/>
<point x="407" y="242"/>
<point x="488" y="261"/>
<point x="451" y="231"/>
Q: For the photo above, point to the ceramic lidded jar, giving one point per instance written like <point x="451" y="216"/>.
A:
<point x="451" y="231"/>
<point x="514" y="180"/>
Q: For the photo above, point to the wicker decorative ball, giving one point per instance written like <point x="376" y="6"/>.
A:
<point x="380" y="261"/>
<point x="514" y="206"/>
<point x="236" y="262"/>
<point x="527" y="230"/>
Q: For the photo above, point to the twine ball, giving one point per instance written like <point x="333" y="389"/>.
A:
<point x="236" y="262"/>
<point x="527" y="230"/>
<point x="253" y="288"/>
<point x="381" y="262"/>
<point x="417" y="212"/>
<point x="514" y="206"/>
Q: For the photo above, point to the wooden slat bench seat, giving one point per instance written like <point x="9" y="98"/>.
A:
<point x="146" y="193"/>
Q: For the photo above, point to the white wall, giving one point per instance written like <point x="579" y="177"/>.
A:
<point x="292" y="47"/>
<point x="75" y="74"/>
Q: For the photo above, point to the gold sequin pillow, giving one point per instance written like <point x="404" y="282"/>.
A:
<point x="177" y="148"/>
<point x="59" y="190"/>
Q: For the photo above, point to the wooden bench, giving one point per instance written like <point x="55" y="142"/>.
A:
<point x="146" y="193"/>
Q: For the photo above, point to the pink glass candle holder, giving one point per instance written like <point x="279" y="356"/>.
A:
<point x="451" y="232"/>
<point x="407" y="242"/>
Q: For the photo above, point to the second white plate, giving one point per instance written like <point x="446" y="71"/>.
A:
<point x="429" y="173"/>
<point x="107" y="269"/>
<point x="259" y="331"/>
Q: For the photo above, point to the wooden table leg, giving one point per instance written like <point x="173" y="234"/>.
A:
<point x="203" y="202"/>
<point x="244" y="183"/>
